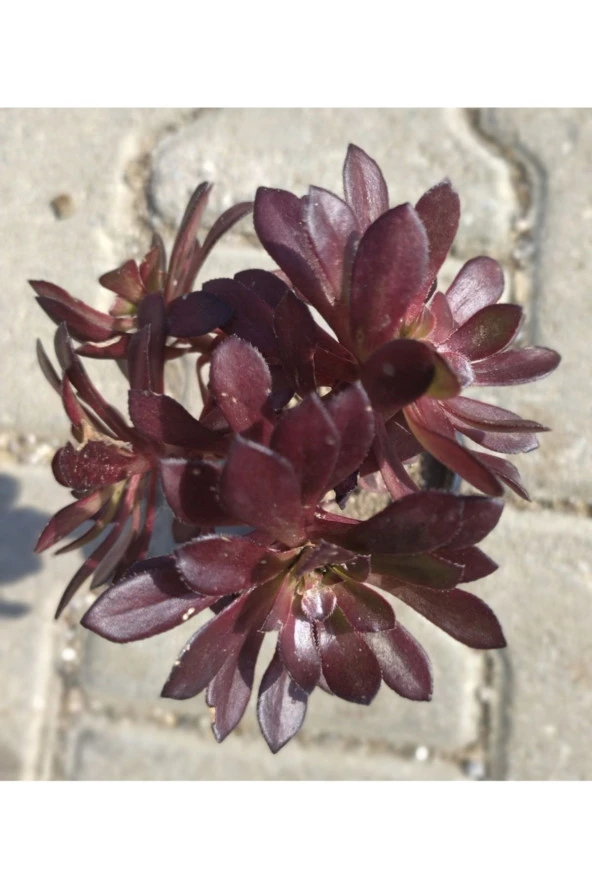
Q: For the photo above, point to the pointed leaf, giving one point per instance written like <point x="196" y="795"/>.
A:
<point x="148" y="602"/>
<point x="183" y="247"/>
<point x="364" y="608"/>
<point x="421" y="570"/>
<point x="480" y="282"/>
<point x="241" y="383"/>
<point x="192" y="490"/>
<point x="280" y="226"/>
<point x="205" y="654"/>
<point x="507" y="472"/>
<point x="352" y="415"/>
<point x="388" y="269"/>
<point x="196" y="314"/>
<point x="364" y="187"/>
<point x="476" y="564"/>
<point x="163" y="420"/>
<point x="516" y="366"/>
<point x="296" y="334"/>
<point x="459" y="613"/>
<point x="221" y="226"/>
<point x="466" y="463"/>
<point x="439" y="210"/>
<point x="68" y="519"/>
<point x="48" y="368"/>
<point x="84" y="323"/>
<point x="332" y="227"/>
<point x="307" y="437"/>
<point x="126" y="281"/>
<point x="486" y="332"/>
<point x="262" y="490"/>
<point x="350" y="668"/>
<point x="403" y="662"/>
<point x="419" y="522"/>
<point x="229" y="692"/>
<point x="480" y="516"/>
<point x="220" y="565"/>
<point x="281" y="707"/>
<point x="299" y="652"/>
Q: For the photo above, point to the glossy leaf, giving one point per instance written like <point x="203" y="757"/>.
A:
<point x="388" y="270"/>
<point x="332" y="227"/>
<point x="262" y="490"/>
<point x="192" y="490"/>
<point x="364" y="187"/>
<point x="427" y="569"/>
<point x="229" y="692"/>
<point x="241" y="383"/>
<point x="507" y="472"/>
<point x="466" y="463"/>
<point x="196" y="314"/>
<point x="84" y="323"/>
<point x="163" y="420"/>
<point x="299" y="652"/>
<point x="69" y="519"/>
<point x="486" y="332"/>
<point x="318" y="603"/>
<point x="279" y="223"/>
<point x="420" y="522"/>
<point x="281" y="707"/>
<point x="516" y="366"/>
<point x="296" y="334"/>
<point x="220" y="565"/>
<point x="459" y="613"/>
<point x="365" y="610"/>
<point x="403" y="662"/>
<point x="439" y="210"/>
<point x="480" y="282"/>
<point x="148" y="602"/>
<point x="308" y="438"/>
<point x="350" y="668"/>
<point x="352" y="416"/>
<point x="398" y="373"/>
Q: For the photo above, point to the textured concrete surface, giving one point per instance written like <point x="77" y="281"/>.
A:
<point x="80" y="190"/>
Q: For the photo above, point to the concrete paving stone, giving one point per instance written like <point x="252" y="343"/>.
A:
<point x="542" y="595"/>
<point x="242" y="148"/>
<point x="86" y="155"/>
<point x="103" y="750"/>
<point x="30" y="587"/>
<point x="559" y="143"/>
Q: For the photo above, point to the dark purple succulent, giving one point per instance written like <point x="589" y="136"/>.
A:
<point x="309" y="575"/>
<point x="108" y="335"/>
<point x="371" y="273"/>
<point x="294" y="419"/>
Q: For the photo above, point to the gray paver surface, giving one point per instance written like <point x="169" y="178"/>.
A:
<point x="76" y="707"/>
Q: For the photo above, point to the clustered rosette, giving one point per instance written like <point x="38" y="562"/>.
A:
<point x="293" y="418"/>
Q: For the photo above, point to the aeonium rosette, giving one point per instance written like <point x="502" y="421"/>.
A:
<point x="371" y="272"/>
<point x="302" y="571"/>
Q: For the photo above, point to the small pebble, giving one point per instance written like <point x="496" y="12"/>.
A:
<point x="63" y="206"/>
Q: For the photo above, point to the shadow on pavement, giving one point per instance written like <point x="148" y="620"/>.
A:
<point x="19" y="528"/>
